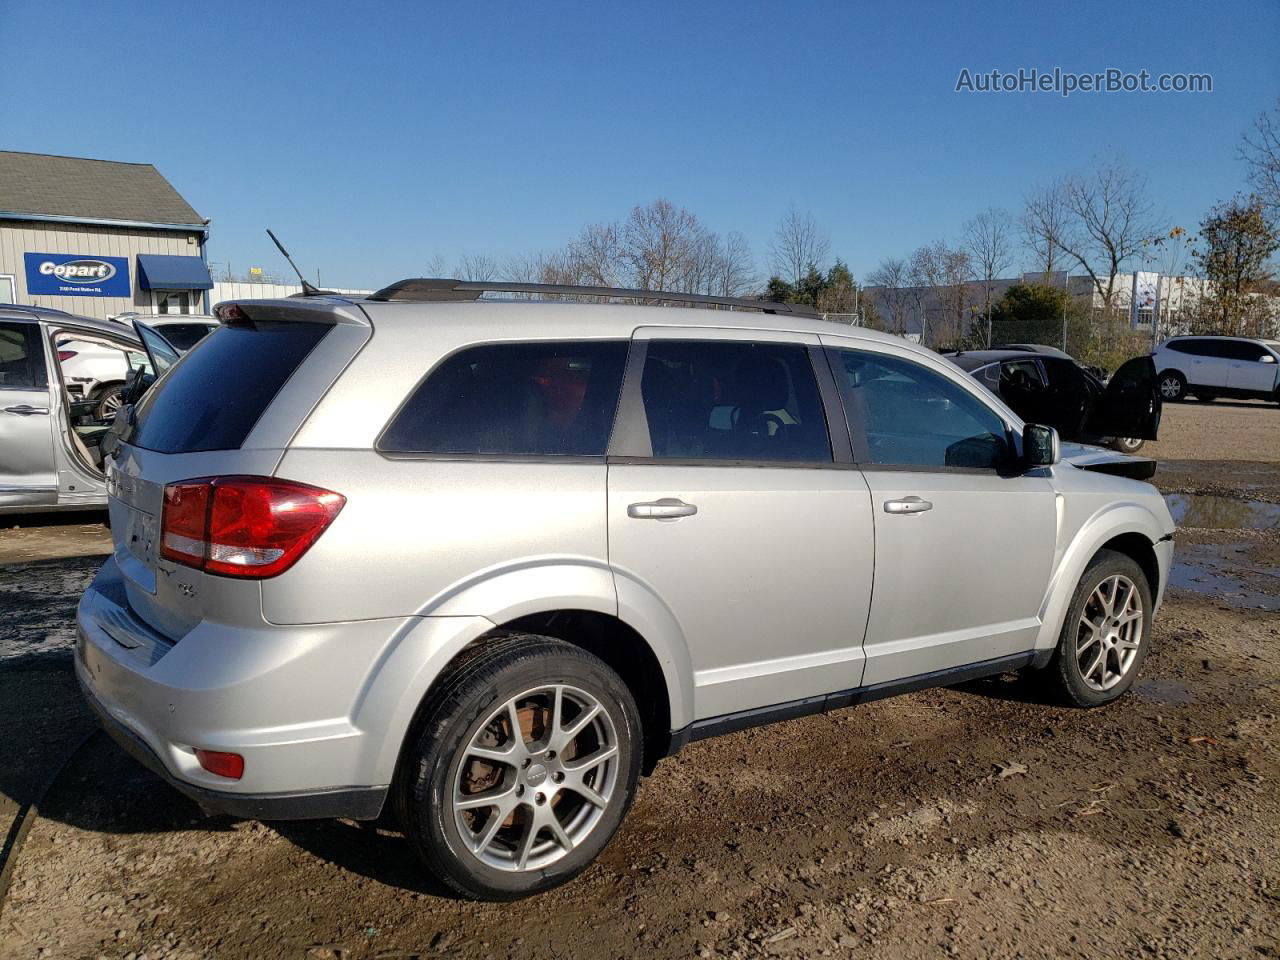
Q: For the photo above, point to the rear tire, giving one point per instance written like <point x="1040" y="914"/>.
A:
<point x="558" y="793"/>
<point x="1206" y="397"/>
<point x="1106" y="633"/>
<point x="1173" y="386"/>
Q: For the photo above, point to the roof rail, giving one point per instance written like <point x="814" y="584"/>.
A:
<point x="435" y="289"/>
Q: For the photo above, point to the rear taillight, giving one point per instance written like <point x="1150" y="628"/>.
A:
<point x="243" y="526"/>
<point x="65" y="355"/>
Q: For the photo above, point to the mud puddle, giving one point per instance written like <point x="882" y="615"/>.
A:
<point x="1224" y="573"/>
<point x="1212" y="512"/>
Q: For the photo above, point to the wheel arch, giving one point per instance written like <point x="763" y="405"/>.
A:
<point x="1127" y="528"/>
<point x="637" y="637"/>
<point x="102" y="386"/>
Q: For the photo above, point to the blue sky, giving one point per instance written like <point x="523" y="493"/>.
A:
<point x="374" y="137"/>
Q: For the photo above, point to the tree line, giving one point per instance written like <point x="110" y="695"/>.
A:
<point x="1100" y="224"/>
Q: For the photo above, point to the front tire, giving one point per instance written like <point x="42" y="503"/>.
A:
<point x="109" y="402"/>
<point x="1173" y="386"/>
<point x="1106" y="633"/>
<point x="1128" y="444"/>
<point x="521" y="768"/>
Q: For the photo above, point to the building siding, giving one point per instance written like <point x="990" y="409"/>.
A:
<point x="29" y="236"/>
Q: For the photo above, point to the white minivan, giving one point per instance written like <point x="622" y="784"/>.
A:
<point x="1212" y="367"/>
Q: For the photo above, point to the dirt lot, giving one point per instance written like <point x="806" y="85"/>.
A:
<point x="970" y="822"/>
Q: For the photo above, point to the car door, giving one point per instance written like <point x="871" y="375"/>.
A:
<point x="964" y="540"/>
<point x="1252" y="367"/>
<point x="28" y="477"/>
<point x="1024" y="388"/>
<point x="1194" y="358"/>
<point x="1213" y="368"/>
<point x="1130" y="405"/>
<point x="728" y="507"/>
<point x="1071" y="395"/>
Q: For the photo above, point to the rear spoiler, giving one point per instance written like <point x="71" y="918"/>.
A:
<point x="329" y="310"/>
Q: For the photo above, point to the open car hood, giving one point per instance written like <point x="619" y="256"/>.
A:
<point x="1108" y="461"/>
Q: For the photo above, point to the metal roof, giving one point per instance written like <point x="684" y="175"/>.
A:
<point x="78" y="188"/>
<point x="28" y="314"/>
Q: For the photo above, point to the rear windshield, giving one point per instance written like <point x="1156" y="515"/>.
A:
<point x="212" y="399"/>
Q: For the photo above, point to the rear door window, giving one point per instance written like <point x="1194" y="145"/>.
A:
<point x="22" y="364"/>
<point x="214" y="396"/>
<point x="721" y="400"/>
<point x="548" y="398"/>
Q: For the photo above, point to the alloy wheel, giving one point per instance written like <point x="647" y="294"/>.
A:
<point x="536" y="778"/>
<point x="1170" y="388"/>
<point x="110" y="406"/>
<point x="1110" y="632"/>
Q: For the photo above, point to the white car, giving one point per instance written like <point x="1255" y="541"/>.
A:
<point x="94" y="371"/>
<point x="1212" y="367"/>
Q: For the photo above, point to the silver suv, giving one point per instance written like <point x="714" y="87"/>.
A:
<point x="489" y="561"/>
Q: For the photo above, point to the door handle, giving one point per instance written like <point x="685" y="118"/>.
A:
<point x="26" y="410"/>
<point x="907" y="505"/>
<point x="668" y="508"/>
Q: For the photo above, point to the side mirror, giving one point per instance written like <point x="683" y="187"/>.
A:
<point x="1040" y="446"/>
<point x="1267" y="358"/>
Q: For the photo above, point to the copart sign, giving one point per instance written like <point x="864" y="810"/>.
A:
<point x="77" y="275"/>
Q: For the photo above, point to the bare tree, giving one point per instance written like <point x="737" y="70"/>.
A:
<point x="735" y="272"/>
<point x="798" y="244"/>
<point x="659" y="245"/>
<point x="435" y="267"/>
<point x="1044" y="219"/>
<point x="1108" y="222"/>
<point x="945" y="272"/>
<point x="1260" y="149"/>
<point x="477" y="266"/>
<point x="894" y="280"/>
<point x="989" y="243"/>
<point x="597" y="255"/>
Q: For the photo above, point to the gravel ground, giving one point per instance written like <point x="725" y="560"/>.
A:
<point x="971" y="821"/>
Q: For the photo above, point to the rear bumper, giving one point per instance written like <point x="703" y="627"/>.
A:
<point x="357" y="803"/>
<point x="284" y="698"/>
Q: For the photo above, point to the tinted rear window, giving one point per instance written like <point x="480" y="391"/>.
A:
<point x="212" y="399"/>
<point x="184" y="336"/>
<point x="525" y="399"/>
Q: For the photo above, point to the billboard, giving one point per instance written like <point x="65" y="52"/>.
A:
<point x="77" y="275"/>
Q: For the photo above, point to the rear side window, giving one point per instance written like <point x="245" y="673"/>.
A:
<point x="550" y="398"/>
<point x="21" y="357"/>
<point x="1203" y="348"/>
<point x="719" y="400"/>
<point x="213" y="398"/>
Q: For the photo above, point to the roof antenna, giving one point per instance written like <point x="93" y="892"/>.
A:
<point x="307" y="289"/>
